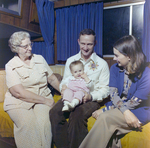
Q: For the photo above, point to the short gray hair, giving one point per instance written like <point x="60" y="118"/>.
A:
<point x="16" y="39"/>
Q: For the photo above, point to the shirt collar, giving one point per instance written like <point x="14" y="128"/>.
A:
<point x="36" y="60"/>
<point x="92" y="58"/>
<point x="123" y="70"/>
<point x="135" y="78"/>
<point x="19" y="63"/>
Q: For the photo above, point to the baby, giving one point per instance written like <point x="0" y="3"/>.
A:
<point x="75" y="86"/>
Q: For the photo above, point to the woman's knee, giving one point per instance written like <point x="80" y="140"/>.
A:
<point x="106" y="117"/>
<point x="20" y="117"/>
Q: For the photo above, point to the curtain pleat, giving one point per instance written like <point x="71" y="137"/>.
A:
<point x="71" y="20"/>
<point x="45" y="10"/>
<point x="38" y="48"/>
<point x="146" y="30"/>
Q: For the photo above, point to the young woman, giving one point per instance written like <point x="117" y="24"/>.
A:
<point x="129" y="90"/>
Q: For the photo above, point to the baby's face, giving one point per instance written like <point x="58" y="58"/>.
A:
<point x="77" y="71"/>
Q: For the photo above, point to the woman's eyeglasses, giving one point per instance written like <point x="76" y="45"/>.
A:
<point x="25" y="46"/>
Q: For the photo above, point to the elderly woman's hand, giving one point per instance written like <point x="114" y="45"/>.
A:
<point x="63" y="89"/>
<point x="49" y="102"/>
<point x="131" y="119"/>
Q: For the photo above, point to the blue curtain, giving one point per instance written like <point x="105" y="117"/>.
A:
<point x="71" y="20"/>
<point x="45" y="10"/>
<point x="39" y="48"/>
<point x="146" y="30"/>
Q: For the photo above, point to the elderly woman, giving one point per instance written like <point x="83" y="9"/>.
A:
<point x="28" y="99"/>
<point x="129" y="107"/>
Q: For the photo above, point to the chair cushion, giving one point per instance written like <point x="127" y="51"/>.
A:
<point x="2" y="85"/>
<point x="6" y="124"/>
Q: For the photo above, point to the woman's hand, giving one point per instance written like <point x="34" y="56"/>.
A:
<point x="63" y="89"/>
<point x="49" y="102"/>
<point x="97" y="113"/>
<point x="131" y="119"/>
<point x="62" y="92"/>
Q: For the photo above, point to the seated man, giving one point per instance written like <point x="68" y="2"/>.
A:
<point x="70" y="134"/>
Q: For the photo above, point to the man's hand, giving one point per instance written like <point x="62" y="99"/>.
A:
<point x="87" y="97"/>
<point x="132" y="120"/>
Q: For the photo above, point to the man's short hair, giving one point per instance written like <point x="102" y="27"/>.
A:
<point x="87" y="32"/>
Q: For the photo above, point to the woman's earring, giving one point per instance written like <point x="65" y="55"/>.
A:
<point x="129" y="59"/>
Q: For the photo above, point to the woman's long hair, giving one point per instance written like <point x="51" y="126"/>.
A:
<point x="129" y="46"/>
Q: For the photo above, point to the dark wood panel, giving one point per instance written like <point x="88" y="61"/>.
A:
<point x="34" y="27"/>
<point x="67" y="3"/>
<point x="88" y="1"/>
<point x="81" y="1"/>
<point x="33" y="18"/>
<point x="58" y="4"/>
<point x="74" y="2"/>
<point x="64" y="3"/>
<point x="109" y="60"/>
<point x="17" y="22"/>
<point x="25" y="14"/>
<point x="7" y="19"/>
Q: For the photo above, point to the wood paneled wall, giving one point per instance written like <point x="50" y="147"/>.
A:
<point x="109" y="60"/>
<point x="64" y="3"/>
<point x="21" y="21"/>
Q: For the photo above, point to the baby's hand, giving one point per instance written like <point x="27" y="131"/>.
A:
<point x="85" y="77"/>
